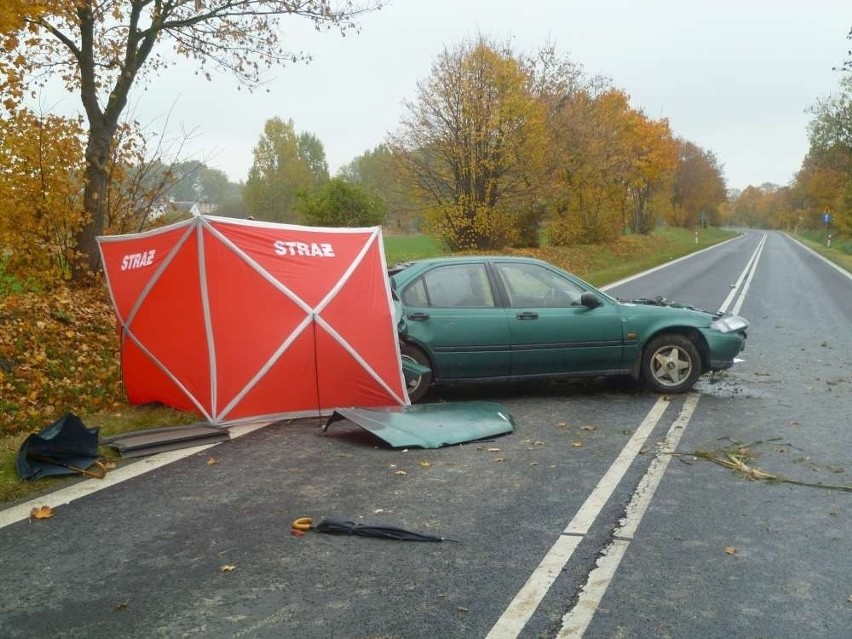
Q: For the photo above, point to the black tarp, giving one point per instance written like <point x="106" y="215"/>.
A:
<point x="64" y="448"/>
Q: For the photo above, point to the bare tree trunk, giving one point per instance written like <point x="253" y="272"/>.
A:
<point x="87" y="261"/>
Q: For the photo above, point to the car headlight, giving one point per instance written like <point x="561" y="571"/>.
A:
<point x="729" y="323"/>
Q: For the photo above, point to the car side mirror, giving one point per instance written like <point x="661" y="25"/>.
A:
<point x="589" y="300"/>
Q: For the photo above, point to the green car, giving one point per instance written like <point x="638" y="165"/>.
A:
<point x="474" y="319"/>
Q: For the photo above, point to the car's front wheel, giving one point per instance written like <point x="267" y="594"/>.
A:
<point x="416" y="385"/>
<point x="671" y="364"/>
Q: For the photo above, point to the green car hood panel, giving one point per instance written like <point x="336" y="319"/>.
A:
<point x="430" y="425"/>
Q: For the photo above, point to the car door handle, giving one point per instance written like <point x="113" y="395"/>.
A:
<point x="527" y="315"/>
<point x="418" y="317"/>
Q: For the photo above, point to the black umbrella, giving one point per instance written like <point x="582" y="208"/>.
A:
<point x="341" y="527"/>
<point x="65" y="447"/>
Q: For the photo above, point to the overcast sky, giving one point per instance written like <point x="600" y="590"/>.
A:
<point x="733" y="76"/>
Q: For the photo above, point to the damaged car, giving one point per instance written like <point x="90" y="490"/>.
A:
<point x="506" y="318"/>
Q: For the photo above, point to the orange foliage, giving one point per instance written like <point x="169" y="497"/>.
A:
<point x="41" y="158"/>
<point x="58" y="353"/>
<point x="474" y="144"/>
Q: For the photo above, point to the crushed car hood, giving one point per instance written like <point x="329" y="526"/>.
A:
<point x="662" y="301"/>
<point x="430" y="425"/>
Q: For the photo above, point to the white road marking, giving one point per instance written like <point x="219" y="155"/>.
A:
<point x="67" y="495"/>
<point x="837" y="268"/>
<point x="666" y="265"/>
<point x="748" y="272"/>
<point x="525" y="603"/>
<point x="577" y="620"/>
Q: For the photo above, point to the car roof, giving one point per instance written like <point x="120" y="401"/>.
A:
<point x="450" y="259"/>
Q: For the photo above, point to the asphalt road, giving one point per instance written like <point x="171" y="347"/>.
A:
<point x="580" y="523"/>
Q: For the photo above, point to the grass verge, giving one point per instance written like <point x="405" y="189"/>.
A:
<point x="839" y="253"/>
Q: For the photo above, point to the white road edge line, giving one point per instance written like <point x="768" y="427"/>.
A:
<point x="837" y="268"/>
<point x="667" y="264"/>
<point x="67" y="495"/>
<point x="577" y="620"/>
<point x="525" y="603"/>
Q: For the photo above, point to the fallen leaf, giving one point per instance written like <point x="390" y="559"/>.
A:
<point x="297" y="533"/>
<point x="499" y="459"/>
<point x="425" y="464"/>
<point x="577" y="444"/>
<point x="730" y="550"/>
<point x="588" y="427"/>
<point x="212" y="461"/>
<point x="231" y="567"/>
<point x="561" y="425"/>
<point x="463" y="609"/>
<point x="493" y="450"/>
<point x="538" y="443"/>
<point x="42" y="512"/>
<point x="401" y="472"/>
<point x="121" y="605"/>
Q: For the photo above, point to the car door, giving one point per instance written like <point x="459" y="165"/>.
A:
<point x="550" y="331"/>
<point x="452" y="311"/>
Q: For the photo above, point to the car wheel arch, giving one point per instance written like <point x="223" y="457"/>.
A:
<point x="408" y="348"/>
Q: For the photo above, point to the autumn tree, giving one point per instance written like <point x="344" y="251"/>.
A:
<point x="591" y="167"/>
<point x="698" y="187"/>
<point x="339" y="202"/>
<point x="472" y="145"/>
<point x="102" y="48"/>
<point x="14" y="15"/>
<point x="651" y="157"/>
<point x="820" y="184"/>
<point x="827" y="170"/>
<point x="41" y="172"/>
<point x="285" y="164"/>
<point x="747" y="208"/>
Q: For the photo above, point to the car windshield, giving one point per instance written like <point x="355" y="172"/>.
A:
<point x="533" y="285"/>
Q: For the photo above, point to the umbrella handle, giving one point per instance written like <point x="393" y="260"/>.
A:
<point x="100" y="474"/>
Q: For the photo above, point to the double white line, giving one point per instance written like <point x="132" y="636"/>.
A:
<point x="746" y="276"/>
<point x="525" y="603"/>
<point x="577" y="619"/>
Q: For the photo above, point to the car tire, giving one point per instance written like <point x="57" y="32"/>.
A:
<point x="418" y="386"/>
<point x="671" y="364"/>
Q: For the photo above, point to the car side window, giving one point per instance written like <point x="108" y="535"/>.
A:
<point x="415" y="294"/>
<point x="533" y="286"/>
<point x="452" y="286"/>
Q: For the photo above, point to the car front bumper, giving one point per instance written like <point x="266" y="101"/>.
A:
<point x="722" y="348"/>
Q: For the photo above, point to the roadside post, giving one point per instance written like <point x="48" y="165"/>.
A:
<point x="826" y="218"/>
